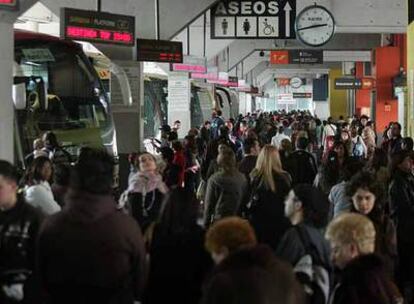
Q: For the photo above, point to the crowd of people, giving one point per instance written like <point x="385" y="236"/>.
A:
<point x="266" y="208"/>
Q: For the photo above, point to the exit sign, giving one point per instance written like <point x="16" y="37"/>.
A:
<point x="9" y="4"/>
<point x="97" y="27"/>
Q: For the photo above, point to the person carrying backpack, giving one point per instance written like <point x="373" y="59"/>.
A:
<point x="359" y="149"/>
<point x="303" y="167"/>
<point x="328" y="137"/>
<point x="304" y="246"/>
<point x="216" y="123"/>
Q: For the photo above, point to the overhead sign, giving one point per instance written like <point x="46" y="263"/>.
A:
<point x="282" y="82"/>
<point x="368" y="83"/>
<point x="223" y="79"/>
<point x="263" y="19"/>
<point x="286" y="98"/>
<point x="302" y="95"/>
<point x="296" y="57"/>
<point x="279" y="57"/>
<point x="233" y="81"/>
<point x="349" y="83"/>
<point x="159" y="51"/>
<point x="97" y="27"/>
<point x="306" y="56"/>
<point x="191" y="64"/>
<point x="38" y="55"/>
<point x="9" y="4"/>
<point x="211" y="74"/>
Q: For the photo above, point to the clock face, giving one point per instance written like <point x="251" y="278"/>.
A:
<point x="296" y="82"/>
<point x="315" y="26"/>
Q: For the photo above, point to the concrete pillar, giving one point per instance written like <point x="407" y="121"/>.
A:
<point x="6" y="82"/>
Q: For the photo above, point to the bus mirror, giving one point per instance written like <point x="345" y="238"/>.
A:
<point x="19" y="96"/>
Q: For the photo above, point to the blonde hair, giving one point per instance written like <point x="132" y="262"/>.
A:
<point x="353" y="228"/>
<point x="268" y="163"/>
<point x="230" y="232"/>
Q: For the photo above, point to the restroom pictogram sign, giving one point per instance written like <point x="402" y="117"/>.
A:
<point x="254" y="19"/>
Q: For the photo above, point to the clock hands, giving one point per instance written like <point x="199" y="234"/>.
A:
<point x="312" y="26"/>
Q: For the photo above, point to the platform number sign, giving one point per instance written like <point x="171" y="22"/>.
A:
<point x="262" y="19"/>
<point x="9" y="4"/>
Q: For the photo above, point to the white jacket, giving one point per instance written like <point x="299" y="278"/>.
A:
<point x="41" y="196"/>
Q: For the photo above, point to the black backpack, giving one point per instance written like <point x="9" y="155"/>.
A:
<point x="311" y="272"/>
<point x="303" y="168"/>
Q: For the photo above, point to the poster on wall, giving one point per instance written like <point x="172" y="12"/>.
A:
<point x="179" y="98"/>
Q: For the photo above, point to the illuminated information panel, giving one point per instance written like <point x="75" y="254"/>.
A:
<point x="98" y="27"/>
<point x="9" y="4"/>
<point x="159" y="51"/>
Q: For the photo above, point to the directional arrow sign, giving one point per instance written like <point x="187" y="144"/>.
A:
<point x="288" y="10"/>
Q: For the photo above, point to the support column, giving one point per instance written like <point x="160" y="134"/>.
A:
<point x="6" y="82"/>
<point x="410" y="75"/>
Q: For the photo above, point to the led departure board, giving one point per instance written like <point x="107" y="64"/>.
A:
<point x="159" y="51"/>
<point x="98" y="27"/>
<point x="9" y="4"/>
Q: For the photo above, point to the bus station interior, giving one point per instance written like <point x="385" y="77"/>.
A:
<point x="372" y="47"/>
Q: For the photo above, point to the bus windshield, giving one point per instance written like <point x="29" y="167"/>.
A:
<point x="76" y="101"/>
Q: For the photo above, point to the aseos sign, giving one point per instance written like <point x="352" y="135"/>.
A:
<point x="261" y="19"/>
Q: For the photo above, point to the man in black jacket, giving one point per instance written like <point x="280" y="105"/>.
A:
<point x="303" y="168"/>
<point x="251" y="149"/>
<point x="91" y="252"/>
<point x="19" y="225"/>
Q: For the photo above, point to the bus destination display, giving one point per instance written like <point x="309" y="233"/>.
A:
<point x="159" y="51"/>
<point x="97" y="27"/>
<point x="9" y="4"/>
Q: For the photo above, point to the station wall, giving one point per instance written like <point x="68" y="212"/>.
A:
<point x="337" y="98"/>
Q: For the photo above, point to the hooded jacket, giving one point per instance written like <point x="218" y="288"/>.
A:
<point x="91" y="253"/>
<point x="19" y="227"/>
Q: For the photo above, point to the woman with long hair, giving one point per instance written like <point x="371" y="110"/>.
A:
<point x="269" y="186"/>
<point x="329" y="173"/>
<point x="38" y="192"/>
<point x="341" y="151"/>
<point x="146" y="191"/>
<point x="178" y="260"/>
<point x="368" y="198"/>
